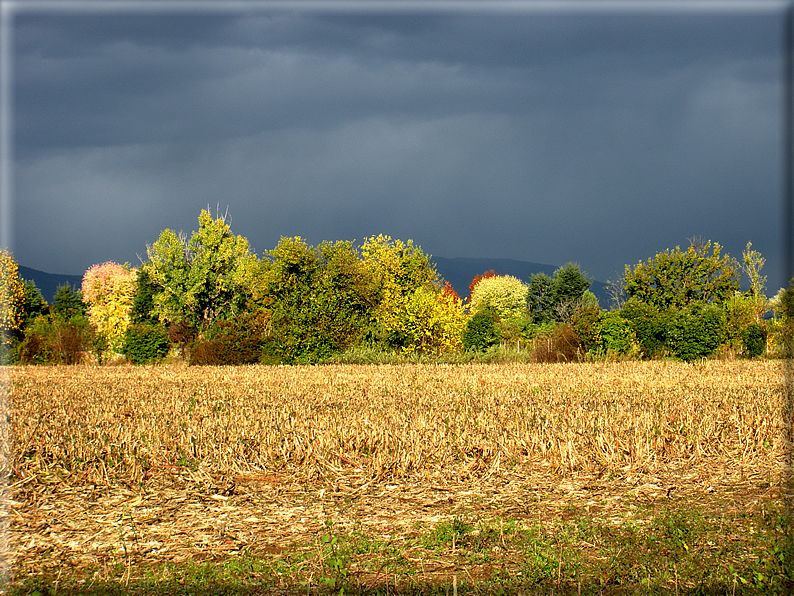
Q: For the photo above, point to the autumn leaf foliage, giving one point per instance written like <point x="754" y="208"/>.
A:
<point x="477" y="279"/>
<point x="109" y="290"/>
<point x="12" y="293"/>
<point x="505" y="295"/>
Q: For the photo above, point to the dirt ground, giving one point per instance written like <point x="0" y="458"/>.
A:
<point x="63" y="528"/>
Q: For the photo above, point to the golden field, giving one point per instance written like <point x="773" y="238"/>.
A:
<point x="118" y="470"/>
<point x="92" y="424"/>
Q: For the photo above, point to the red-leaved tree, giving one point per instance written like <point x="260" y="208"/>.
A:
<point x="478" y="279"/>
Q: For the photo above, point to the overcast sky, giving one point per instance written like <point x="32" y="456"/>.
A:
<point x="599" y="136"/>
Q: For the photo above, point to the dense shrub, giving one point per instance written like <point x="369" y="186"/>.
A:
<point x="145" y="343"/>
<point x="513" y="332"/>
<point x="695" y="332"/>
<point x="754" y="340"/>
<point x="481" y="331"/>
<point x="235" y="342"/>
<point x="586" y="322"/>
<point x="649" y="325"/>
<point x="600" y="332"/>
<point x="35" y="349"/>
<point x="323" y="300"/>
<point x="561" y="345"/>
<point x="182" y="334"/>
<point x="617" y="336"/>
<point x="69" y="343"/>
<point x="58" y="341"/>
<point x="741" y="311"/>
<point x="99" y="346"/>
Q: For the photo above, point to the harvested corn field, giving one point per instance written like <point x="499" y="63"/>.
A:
<point x="122" y="469"/>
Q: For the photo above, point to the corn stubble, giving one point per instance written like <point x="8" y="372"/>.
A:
<point x="92" y="425"/>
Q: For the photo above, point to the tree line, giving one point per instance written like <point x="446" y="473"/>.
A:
<point x="209" y="299"/>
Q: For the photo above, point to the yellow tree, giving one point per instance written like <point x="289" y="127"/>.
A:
<point x="435" y="321"/>
<point x="504" y="294"/>
<point x="12" y="295"/>
<point x="399" y="269"/>
<point x="109" y="290"/>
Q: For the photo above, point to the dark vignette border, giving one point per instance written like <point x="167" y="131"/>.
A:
<point x="787" y="206"/>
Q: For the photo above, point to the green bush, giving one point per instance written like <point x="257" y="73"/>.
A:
<point x="600" y="332"/>
<point x="695" y="332"/>
<point x="516" y="332"/>
<point x="481" y="331"/>
<point x="586" y="323"/>
<point x="145" y="343"/>
<point x="617" y="335"/>
<point x="98" y="344"/>
<point x="741" y="311"/>
<point x="754" y="340"/>
<point x="649" y="325"/>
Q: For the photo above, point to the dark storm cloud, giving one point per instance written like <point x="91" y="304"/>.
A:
<point x="596" y="138"/>
<point x="86" y="79"/>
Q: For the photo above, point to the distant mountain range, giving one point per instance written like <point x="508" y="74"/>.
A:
<point x="48" y="283"/>
<point x="458" y="272"/>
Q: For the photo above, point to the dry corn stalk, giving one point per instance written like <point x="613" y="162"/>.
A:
<point x="89" y="424"/>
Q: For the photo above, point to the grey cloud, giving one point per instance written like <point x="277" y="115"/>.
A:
<point x="547" y="139"/>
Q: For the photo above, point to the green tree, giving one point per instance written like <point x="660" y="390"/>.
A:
<point x="741" y="311"/>
<point x="399" y="269"/>
<point x="753" y="263"/>
<point x="68" y="303"/>
<point x="203" y="279"/>
<point x="556" y="298"/>
<point x="319" y="299"/>
<point x="541" y="298"/>
<point x="678" y="278"/>
<point x="570" y="283"/>
<point x="481" y="331"/>
<point x="143" y="301"/>
<point x="35" y="304"/>
<point x="783" y="307"/>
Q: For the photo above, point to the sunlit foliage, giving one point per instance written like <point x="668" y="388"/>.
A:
<point x="108" y="290"/>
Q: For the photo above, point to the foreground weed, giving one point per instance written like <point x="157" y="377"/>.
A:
<point x="449" y="533"/>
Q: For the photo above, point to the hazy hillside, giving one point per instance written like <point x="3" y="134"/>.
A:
<point x="48" y="283"/>
<point x="460" y="271"/>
